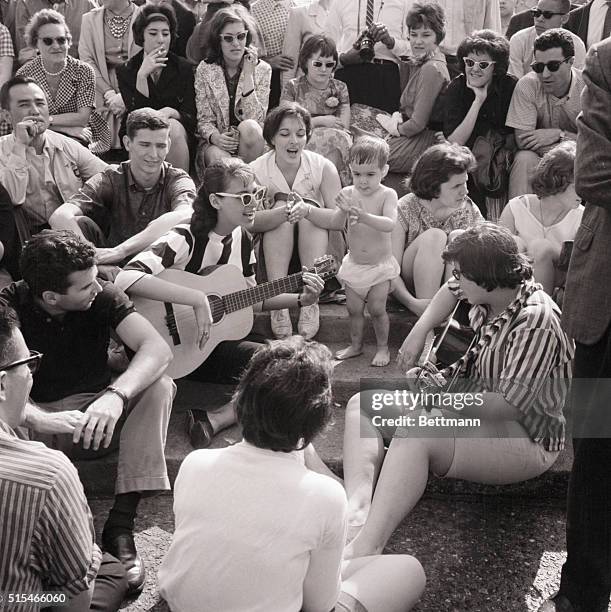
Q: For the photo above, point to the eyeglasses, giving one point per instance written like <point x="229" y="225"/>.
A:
<point x="482" y="65"/>
<point x="246" y="198"/>
<point x="33" y="361"/>
<point x="60" y="40"/>
<point x="536" y="13"/>
<point x="229" y="38"/>
<point x="552" y="65"/>
<point x="319" y="64"/>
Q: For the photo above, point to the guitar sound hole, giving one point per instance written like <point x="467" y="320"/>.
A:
<point x="216" y="307"/>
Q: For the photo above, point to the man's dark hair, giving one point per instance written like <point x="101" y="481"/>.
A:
<point x="8" y="324"/>
<point x="49" y="257"/>
<point x="145" y="119"/>
<point x="490" y="43"/>
<point x="283" y="399"/>
<point x="13" y="82"/>
<point x="436" y="166"/>
<point x="488" y="255"/>
<point x="279" y="114"/>
<point x="154" y="10"/>
<point x="556" y="37"/>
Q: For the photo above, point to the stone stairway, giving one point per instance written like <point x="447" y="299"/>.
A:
<point x="98" y="476"/>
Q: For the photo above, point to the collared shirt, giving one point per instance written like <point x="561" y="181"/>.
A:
<point x="74" y="346"/>
<point x="531" y="108"/>
<point x="69" y="165"/>
<point x="465" y="16"/>
<point x="47" y="540"/>
<point x="272" y="17"/>
<point x="114" y="199"/>
<point x="347" y="19"/>
<point x="596" y="21"/>
<point x="521" y="51"/>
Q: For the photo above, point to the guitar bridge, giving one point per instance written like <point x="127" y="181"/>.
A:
<point x="170" y="321"/>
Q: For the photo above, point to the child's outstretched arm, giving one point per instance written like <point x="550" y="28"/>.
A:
<point x="331" y="219"/>
<point x="382" y="223"/>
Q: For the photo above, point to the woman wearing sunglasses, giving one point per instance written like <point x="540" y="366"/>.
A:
<point x="509" y="429"/>
<point x="219" y="232"/>
<point x="232" y="90"/>
<point x="158" y="78"/>
<point x="327" y="101"/>
<point x="476" y="103"/>
<point x="68" y="83"/>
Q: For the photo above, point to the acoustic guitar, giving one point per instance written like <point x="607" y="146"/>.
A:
<point x="231" y="302"/>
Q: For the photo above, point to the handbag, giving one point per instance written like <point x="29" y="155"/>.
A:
<point x="494" y="154"/>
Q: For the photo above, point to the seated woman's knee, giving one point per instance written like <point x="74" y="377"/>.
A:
<point x="177" y="130"/>
<point x="434" y="236"/>
<point x="250" y="132"/>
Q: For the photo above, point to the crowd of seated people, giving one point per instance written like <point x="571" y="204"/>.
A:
<point x="263" y="136"/>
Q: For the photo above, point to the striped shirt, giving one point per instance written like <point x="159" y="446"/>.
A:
<point x="180" y="250"/>
<point x="46" y="530"/>
<point x="528" y="360"/>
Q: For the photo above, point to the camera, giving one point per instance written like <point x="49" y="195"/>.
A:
<point x="365" y="45"/>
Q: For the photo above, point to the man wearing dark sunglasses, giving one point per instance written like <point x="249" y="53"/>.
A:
<point x="68" y="315"/>
<point x="546" y="15"/>
<point x="544" y="105"/>
<point x="41" y="487"/>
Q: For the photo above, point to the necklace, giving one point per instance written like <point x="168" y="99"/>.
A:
<point x="53" y="74"/>
<point x="118" y="24"/>
<point x="553" y="222"/>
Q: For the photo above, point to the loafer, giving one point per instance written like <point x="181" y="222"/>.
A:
<point x="309" y="321"/>
<point x="123" y="548"/>
<point x="282" y="326"/>
<point x="558" y="603"/>
<point x="199" y="429"/>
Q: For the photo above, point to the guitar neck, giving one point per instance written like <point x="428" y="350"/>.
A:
<point x="258" y="293"/>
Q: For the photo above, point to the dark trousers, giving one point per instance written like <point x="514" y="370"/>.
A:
<point x="376" y="85"/>
<point x="586" y="575"/>
<point x="275" y="89"/>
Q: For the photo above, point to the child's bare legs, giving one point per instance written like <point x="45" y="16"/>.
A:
<point x="544" y="254"/>
<point x="356" y="307"/>
<point x="376" y="305"/>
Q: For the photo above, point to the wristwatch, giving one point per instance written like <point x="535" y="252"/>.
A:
<point x="124" y="398"/>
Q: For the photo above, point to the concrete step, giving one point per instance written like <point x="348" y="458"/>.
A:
<point x="98" y="476"/>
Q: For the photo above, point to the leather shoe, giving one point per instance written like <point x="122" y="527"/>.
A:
<point x="199" y="428"/>
<point x="123" y="548"/>
<point x="558" y="603"/>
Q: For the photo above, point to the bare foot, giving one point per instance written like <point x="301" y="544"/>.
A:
<point x="381" y="358"/>
<point x="347" y="353"/>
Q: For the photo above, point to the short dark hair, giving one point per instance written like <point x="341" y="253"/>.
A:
<point x="43" y="18"/>
<point x="436" y="166"/>
<point x="8" y="324"/>
<point x="427" y="15"/>
<point x="369" y="150"/>
<point x="145" y="119"/>
<point x="48" y="258"/>
<point x="488" y="255"/>
<point x="5" y="91"/>
<point x="555" y="171"/>
<point x="153" y="10"/>
<point x="279" y="114"/>
<point x="231" y="14"/>
<point x="317" y="43"/>
<point x="489" y="42"/>
<point x="556" y="37"/>
<point x="283" y="399"/>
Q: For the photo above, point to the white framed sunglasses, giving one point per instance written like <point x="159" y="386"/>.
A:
<point x="229" y="38"/>
<point x="246" y="198"/>
<point x="469" y="63"/>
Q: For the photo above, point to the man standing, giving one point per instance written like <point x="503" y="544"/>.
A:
<point x="39" y="168"/>
<point x="586" y="576"/>
<point x="544" y="106"/>
<point x="135" y="202"/>
<point x="47" y="541"/>
<point x="67" y="315"/>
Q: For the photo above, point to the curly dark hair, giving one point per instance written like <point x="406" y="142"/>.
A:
<point x="488" y="255"/>
<point x="154" y="10"/>
<point x="436" y="166"/>
<point x="283" y="399"/>
<point x="216" y="178"/>
<point x="556" y="170"/>
<point x="427" y="15"/>
<point x="48" y="258"/>
<point x="279" y="114"/>
<point x="490" y="43"/>
<point x="556" y="37"/>
<point x="235" y="13"/>
<point x="317" y="43"/>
